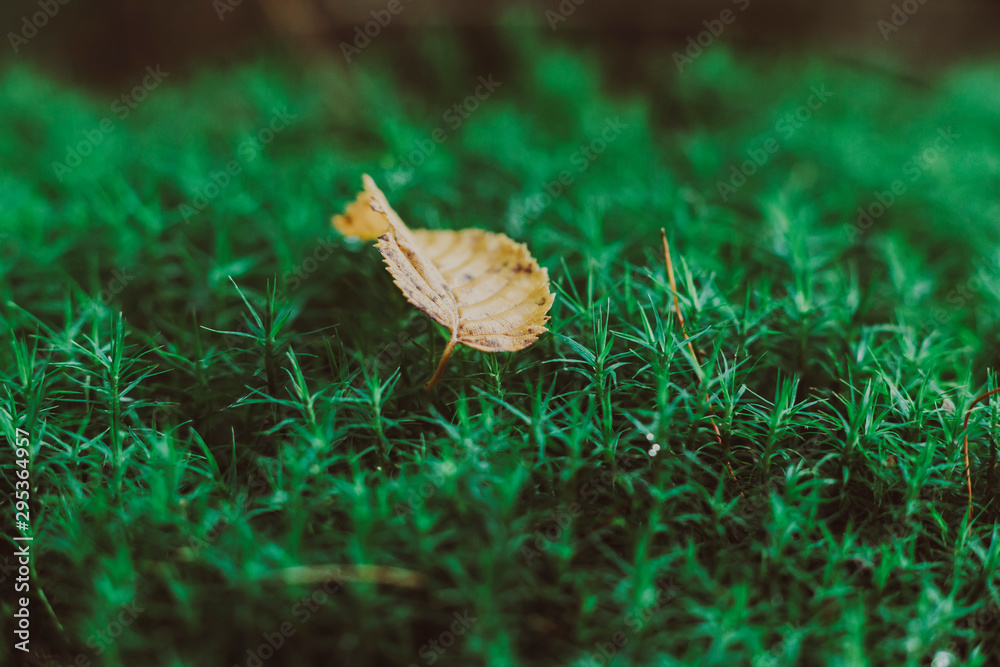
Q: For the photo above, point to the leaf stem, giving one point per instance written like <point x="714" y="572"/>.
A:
<point x="443" y="363"/>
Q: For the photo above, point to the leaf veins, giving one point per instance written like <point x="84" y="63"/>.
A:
<point x="486" y="289"/>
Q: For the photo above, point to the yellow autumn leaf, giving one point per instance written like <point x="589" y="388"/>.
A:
<point x="486" y="289"/>
<point x="359" y="219"/>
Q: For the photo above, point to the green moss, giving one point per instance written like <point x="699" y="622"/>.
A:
<point x="218" y="387"/>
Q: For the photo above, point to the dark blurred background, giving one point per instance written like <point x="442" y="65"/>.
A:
<point x="103" y="42"/>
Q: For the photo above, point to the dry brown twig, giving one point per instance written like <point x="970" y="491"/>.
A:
<point x="357" y="573"/>
<point x="691" y="347"/>
<point x="965" y="451"/>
